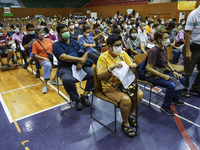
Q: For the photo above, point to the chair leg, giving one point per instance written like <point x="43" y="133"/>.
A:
<point x="114" y="131"/>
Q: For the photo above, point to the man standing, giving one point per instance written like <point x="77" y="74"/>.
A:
<point x="191" y="51"/>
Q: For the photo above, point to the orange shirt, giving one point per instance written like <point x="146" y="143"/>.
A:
<point x="37" y="48"/>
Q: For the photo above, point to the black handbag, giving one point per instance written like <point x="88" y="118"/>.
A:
<point x="50" y="56"/>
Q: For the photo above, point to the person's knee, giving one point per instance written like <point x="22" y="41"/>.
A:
<point x="171" y="86"/>
<point x="140" y="95"/>
<point x="183" y="80"/>
<point x="126" y="101"/>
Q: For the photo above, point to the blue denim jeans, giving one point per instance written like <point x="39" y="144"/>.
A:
<point x="176" y="55"/>
<point x="170" y="88"/>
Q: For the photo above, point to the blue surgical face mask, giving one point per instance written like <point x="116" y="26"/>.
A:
<point x="134" y="26"/>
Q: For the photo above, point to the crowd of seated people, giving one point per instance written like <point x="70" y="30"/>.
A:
<point x="80" y="41"/>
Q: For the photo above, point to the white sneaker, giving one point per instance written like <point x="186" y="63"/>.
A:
<point x="44" y="90"/>
<point x="56" y="83"/>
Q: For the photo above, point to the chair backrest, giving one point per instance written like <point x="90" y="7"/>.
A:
<point x="169" y="54"/>
<point x="97" y="82"/>
<point x="139" y="58"/>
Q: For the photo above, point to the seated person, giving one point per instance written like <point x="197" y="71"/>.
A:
<point x="27" y="42"/>
<point x="155" y="25"/>
<point x="108" y="31"/>
<point x="98" y="36"/>
<point x="107" y="62"/>
<point x="87" y="41"/>
<point x="77" y="28"/>
<point x="134" y="44"/>
<point x="119" y="32"/>
<point x="180" y="38"/>
<point x="46" y="30"/>
<point x="149" y="28"/>
<point x="162" y="25"/>
<point x="156" y="65"/>
<point x="73" y="33"/>
<point x="17" y="38"/>
<point x="5" y="48"/>
<point x="53" y="35"/>
<point x="67" y="53"/>
<point x="12" y="31"/>
<point x="176" y="51"/>
<point x="142" y="35"/>
<point x="41" y="55"/>
<point x="180" y="26"/>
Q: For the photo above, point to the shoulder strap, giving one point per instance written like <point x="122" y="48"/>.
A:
<point x="43" y="47"/>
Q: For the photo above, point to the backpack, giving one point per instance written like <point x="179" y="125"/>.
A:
<point x="141" y="68"/>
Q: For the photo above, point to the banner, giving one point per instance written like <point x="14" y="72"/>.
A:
<point x="186" y="5"/>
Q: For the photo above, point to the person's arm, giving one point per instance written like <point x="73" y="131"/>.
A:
<point x="176" y="74"/>
<point x="142" y="48"/>
<point x="187" y="41"/>
<point x="27" y="45"/>
<point x="89" y="45"/>
<point x="149" y="42"/>
<point x="134" y="52"/>
<point x="183" y="40"/>
<point x="106" y="74"/>
<point x="149" y="68"/>
<point x="42" y="58"/>
<point x="72" y="59"/>
<point x="94" y="38"/>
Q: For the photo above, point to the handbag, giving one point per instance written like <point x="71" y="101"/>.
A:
<point x="50" y="56"/>
<point x="130" y="91"/>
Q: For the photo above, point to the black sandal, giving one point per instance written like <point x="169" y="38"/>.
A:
<point x="127" y="130"/>
<point x="132" y="122"/>
<point x="185" y="94"/>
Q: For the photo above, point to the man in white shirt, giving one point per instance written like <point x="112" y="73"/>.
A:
<point x="191" y="51"/>
<point x="142" y="35"/>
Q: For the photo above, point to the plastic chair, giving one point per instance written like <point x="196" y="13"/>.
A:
<point x="97" y="92"/>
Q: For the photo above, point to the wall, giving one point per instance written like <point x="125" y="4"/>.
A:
<point x="143" y="9"/>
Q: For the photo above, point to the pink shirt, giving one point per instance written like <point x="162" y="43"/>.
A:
<point x="180" y="36"/>
<point x="18" y="37"/>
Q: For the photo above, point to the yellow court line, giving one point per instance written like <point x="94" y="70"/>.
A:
<point x="17" y="126"/>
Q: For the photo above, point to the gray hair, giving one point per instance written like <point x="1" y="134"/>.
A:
<point x="37" y="29"/>
<point x="142" y="24"/>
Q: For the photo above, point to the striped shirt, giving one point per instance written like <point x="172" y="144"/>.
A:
<point x="193" y="24"/>
<point x="3" y="39"/>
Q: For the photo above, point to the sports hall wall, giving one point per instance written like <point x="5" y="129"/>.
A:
<point x="166" y="10"/>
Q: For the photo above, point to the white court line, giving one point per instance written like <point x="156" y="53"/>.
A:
<point x="164" y="95"/>
<point x="67" y="98"/>
<point x="41" y="111"/>
<point x="175" y="114"/>
<point x="6" y="110"/>
<point x="21" y="88"/>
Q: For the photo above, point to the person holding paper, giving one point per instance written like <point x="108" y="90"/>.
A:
<point x="107" y="62"/>
<point x="156" y="64"/>
<point x="68" y="51"/>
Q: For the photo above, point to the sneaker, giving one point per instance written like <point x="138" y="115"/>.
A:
<point x="44" y="90"/>
<point x="78" y="105"/>
<point x="37" y="74"/>
<point x="167" y="110"/>
<point x="25" y="66"/>
<point x="56" y="83"/>
<point x="8" y="65"/>
<point x="3" y="65"/>
<point x="85" y="100"/>
<point x="177" y="102"/>
<point x="192" y="90"/>
<point x="14" y="61"/>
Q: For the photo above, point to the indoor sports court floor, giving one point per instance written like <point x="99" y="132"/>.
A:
<point x="31" y="120"/>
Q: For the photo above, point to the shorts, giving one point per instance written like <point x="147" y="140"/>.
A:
<point x="114" y="94"/>
<point x="4" y="49"/>
<point x="31" y="55"/>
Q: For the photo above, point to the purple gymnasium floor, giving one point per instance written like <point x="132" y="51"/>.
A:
<point x="68" y="129"/>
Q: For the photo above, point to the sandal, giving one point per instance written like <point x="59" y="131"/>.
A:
<point x="185" y="94"/>
<point x="132" y="122"/>
<point x="127" y="130"/>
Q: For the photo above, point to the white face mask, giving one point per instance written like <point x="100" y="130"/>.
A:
<point x="134" y="26"/>
<point x="76" y="25"/>
<point x="87" y="34"/>
<point x="134" y="35"/>
<point x="1" y="34"/>
<point x="162" y="22"/>
<point x="144" y="27"/>
<point x="17" y="30"/>
<point x="117" y="50"/>
<point x="71" y="27"/>
<point x="170" y="19"/>
<point x="183" y="23"/>
<point x="166" y="42"/>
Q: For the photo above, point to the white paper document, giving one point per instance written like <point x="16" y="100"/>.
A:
<point x="79" y="75"/>
<point x="178" y="84"/>
<point x="150" y="45"/>
<point x="124" y="74"/>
